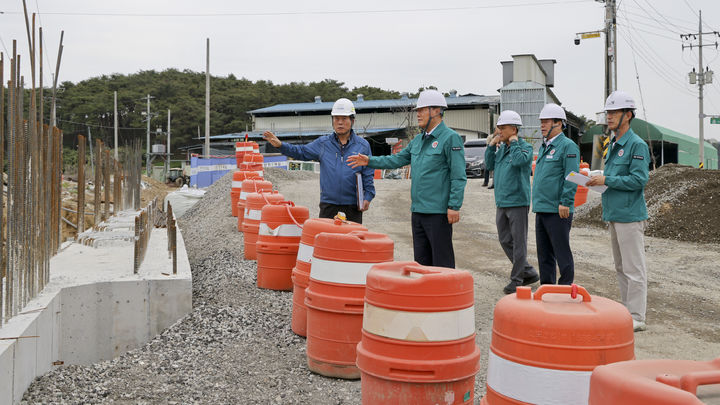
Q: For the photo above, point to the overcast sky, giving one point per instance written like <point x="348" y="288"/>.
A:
<point x="399" y="45"/>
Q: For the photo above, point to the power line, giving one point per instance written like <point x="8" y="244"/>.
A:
<point x="309" y="12"/>
<point x="101" y="126"/>
<point x="645" y="17"/>
<point x="696" y="15"/>
<point x="651" y="26"/>
<point x="658" y="13"/>
<point x="630" y="22"/>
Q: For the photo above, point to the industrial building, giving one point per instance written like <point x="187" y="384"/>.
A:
<point x="472" y="116"/>
<point x="667" y="146"/>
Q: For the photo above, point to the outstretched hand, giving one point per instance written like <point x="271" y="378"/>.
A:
<point x="270" y="137"/>
<point x="358" y="160"/>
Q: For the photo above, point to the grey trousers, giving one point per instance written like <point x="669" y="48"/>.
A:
<point x="512" y="227"/>
<point x="628" y="248"/>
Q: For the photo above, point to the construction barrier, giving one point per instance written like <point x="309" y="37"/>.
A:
<point x="249" y="186"/>
<point x="582" y="191"/>
<point x="418" y="336"/>
<point x="253" y="208"/>
<point x="545" y="345"/>
<point x="251" y="221"/>
<point x="242" y="148"/>
<point x="334" y="298"/>
<point x="252" y="167"/>
<point x="204" y="172"/>
<point x="657" y="382"/>
<point x="301" y="271"/>
<point x="255" y="162"/>
<point x="236" y="188"/>
<point x="277" y="244"/>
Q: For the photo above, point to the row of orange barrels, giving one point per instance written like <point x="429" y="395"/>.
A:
<point x="408" y="330"/>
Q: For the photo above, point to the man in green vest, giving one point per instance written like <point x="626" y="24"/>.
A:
<point x="624" y="209"/>
<point x="437" y="159"/>
<point x="553" y="197"/>
<point x="511" y="161"/>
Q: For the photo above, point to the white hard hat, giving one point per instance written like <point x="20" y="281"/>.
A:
<point x="619" y="100"/>
<point x="431" y="98"/>
<point x="553" y="111"/>
<point x="509" y="117"/>
<point x="343" y="107"/>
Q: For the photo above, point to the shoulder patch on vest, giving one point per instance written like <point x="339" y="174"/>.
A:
<point x="638" y="157"/>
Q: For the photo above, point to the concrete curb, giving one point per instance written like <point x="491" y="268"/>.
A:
<point x="94" y="309"/>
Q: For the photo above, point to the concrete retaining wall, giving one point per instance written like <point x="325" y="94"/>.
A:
<point x="93" y="309"/>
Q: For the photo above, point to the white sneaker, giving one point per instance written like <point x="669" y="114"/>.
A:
<point x="639" y="326"/>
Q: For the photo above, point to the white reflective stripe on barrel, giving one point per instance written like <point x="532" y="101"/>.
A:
<point x="243" y="195"/>
<point x="243" y="149"/>
<point x="282" y="230"/>
<point x="252" y="214"/>
<point x="339" y="272"/>
<point x="537" y="385"/>
<point x="236" y="184"/>
<point x="419" y="326"/>
<point x="305" y="253"/>
<point x="260" y="173"/>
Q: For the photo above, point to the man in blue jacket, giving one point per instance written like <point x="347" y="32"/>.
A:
<point x="553" y="197"/>
<point x="338" y="182"/>
<point x="623" y="203"/>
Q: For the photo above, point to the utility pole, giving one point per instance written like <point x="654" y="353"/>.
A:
<point x="207" y="101"/>
<point x="167" y="170"/>
<point x="610" y="59"/>
<point x="116" y="129"/>
<point x="148" y="117"/>
<point x="701" y="77"/>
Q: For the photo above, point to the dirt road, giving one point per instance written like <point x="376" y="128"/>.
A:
<point x="684" y="292"/>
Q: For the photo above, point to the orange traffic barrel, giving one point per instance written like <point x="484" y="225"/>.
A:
<point x="277" y="244"/>
<point x="236" y="187"/>
<point x="533" y="165"/>
<point x="418" y="337"/>
<point x="657" y="382"/>
<point x="582" y="191"/>
<point x="252" y="167"/>
<point x="377" y="174"/>
<point x="301" y="271"/>
<point x="249" y="186"/>
<point x="253" y="207"/>
<point x="241" y="148"/>
<point x="255" y="160"/>
<point x="334" y="298"/>
<point x="252" y="216"/>
<point x="558" y="334"/>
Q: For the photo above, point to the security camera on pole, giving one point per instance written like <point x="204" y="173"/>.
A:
<point x="610" y="57"/>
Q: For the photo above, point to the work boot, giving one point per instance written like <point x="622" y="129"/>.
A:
<point x="533" y="278"/>
<point x="639" y="326"/>
<point x="492" y="186"/>
<point x="511" y="288"/>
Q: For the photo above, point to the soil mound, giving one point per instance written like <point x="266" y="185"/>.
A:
<point x="682" y="204"/>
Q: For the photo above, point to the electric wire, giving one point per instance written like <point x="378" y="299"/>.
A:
<point x="309" y="12"/>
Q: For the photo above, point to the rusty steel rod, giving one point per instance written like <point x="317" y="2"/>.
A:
<point x="106" y="183"/>
<point x="98" y="171"/>
<point x="81" y="185"/>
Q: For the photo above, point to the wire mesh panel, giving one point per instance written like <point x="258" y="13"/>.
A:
<point x="527" y="99"/>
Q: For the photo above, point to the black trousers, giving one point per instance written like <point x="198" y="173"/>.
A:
<point x="552" y="235"/>
<point x="352" y="213"/>
<point x="432" y="240"/>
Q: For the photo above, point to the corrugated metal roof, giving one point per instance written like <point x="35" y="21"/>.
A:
<point x="373" y="104"/>
<point x="295" y="133"/>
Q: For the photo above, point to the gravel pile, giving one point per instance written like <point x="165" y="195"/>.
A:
<point x="236" y="346"/>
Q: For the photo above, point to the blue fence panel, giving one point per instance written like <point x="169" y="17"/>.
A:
<point x="205" y="172"/>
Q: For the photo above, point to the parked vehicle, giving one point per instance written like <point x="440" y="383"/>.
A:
<point x="475" y="157"/>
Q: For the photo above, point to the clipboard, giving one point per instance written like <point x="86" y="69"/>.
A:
<point x="581" y="180"/>
<point x="360" y="191"/>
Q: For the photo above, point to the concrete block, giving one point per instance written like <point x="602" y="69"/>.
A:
<point x="7" y="368"/>
<point x="130" y="315"/>
<point x="25" y="368"/>
<point x="86" y="323"/>
<point x="45" y="332"/>
<point x="170" y="300"/>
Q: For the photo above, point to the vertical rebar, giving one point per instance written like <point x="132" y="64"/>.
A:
<point x="106" y="183"/>
<point x="117" y="185"/>
<point x="3" y="272"/>
<point x="81" y="185"/>
<point x="98" y="169"/>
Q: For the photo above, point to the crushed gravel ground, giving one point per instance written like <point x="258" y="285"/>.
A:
<point x="682" y="205"/>
<point x="235" y="347"/>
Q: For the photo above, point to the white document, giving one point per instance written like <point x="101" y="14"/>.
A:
<point x="360" y="191"/>
<point x="581" y="180"/>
